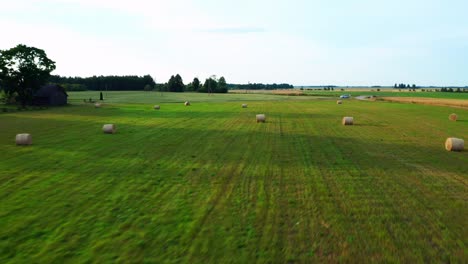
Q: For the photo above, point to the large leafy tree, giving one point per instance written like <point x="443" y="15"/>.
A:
<point x="213" y="85"/>
<point x="23" y="70"/>
<point x="196" y="84"/>
<point x="222" y="85"/>
<point x="210" y="85"/>
<point x="175" y="84"/>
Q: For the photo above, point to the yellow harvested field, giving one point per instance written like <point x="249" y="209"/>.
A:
<point x="288" y="92"/>
<point x="429" y="101"/>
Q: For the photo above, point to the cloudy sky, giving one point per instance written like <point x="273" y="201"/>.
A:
<point x="302" y="42"/>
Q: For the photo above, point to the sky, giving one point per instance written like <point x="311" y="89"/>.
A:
<point x="301" y="42"/>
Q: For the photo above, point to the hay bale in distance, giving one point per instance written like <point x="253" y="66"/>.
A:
<point x="261" y="118"/>
<point x="109" y="129"/>
<point x="244" y="105"/>
<point x="339" y="102"/>
<point x="454" y="144"/>
<point x="187" y="103"/>
<point x="348" y="121"/>
<point x="453" y="117"/>
<point x="157" y="107"/>
<point x="97" y="105"/>
<point x="23" y="139"/>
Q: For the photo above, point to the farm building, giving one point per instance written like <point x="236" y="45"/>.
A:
<point x="50" y="94"/>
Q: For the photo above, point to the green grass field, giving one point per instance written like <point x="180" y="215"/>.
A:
<point x="157" y="97"/>
<point x="207" y="184"/>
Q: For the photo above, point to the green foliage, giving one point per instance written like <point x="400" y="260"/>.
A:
<point x="210" y="86"/>
<point x="222" y="85"/>
<point x="72" y="87"/>
<point x="2" y="96"/>
<point x="213" y="85"/>
<point x="147" y="88"/>
<point x="7" y="98"/>
<point x="23" y="70"/>
<point x="196" y="84"/>
<point x="106" y="83"/>
<point x="404" y="86"/>
<point x="175" y="84"/>
<point x="189" y="87"/>
<point x="160" y="87"/>
<point x="101" y="97"/>
<point x="452" y="90"/>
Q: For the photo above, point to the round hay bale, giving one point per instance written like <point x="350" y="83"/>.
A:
<point x="109" y="129"/>
<point x="453" y="117"/>
<point x="454" y="144"/>
<point x="348" y="121"/>
<point x="157" y="107"/>
<point x="23" y="139"/>
<point x="244" y="105"/>
<point x="187" y="103"/>
<point x="339" y="102"/>
<point x="261" y="118"/>
<point x="97" y="105"/>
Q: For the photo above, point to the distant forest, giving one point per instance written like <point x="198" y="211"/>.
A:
<point x="146" y="83"/>
<point x="103" y="83"/>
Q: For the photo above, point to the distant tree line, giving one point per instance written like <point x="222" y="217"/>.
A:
<point x="176" y="84"/>
<point x="260" y="86"/>
<point x="404" y="86"/>
<point x="101" y="83"/>
<point x="452" y="90"/>
<point x="146" y="83"/>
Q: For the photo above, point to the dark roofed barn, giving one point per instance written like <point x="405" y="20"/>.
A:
<point x="51" y="94"/>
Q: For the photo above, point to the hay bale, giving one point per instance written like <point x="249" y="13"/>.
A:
<point x="347" y="121"/>
<point x="109" y="129"/>
<point x="339" y="102"/>
<point x="261" y="118"/>
<point x="23" y="139"/>
<point x="244" y="105"/>
<point x="187" y="103"/>
<point x="453" y="117"/>
<point x="454" y="144"/>
<point x="157" y="107"/>
<point x="97" y="105"/>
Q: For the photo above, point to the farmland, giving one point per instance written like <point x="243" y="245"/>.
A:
<point x="206" y="183"/>
<point x="156" y="97"/>
<point x="429" y="101"/>
<point x="389" y="93"/>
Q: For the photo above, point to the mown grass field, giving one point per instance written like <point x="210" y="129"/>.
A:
<point x="165" y="97"/>
<point x="207" y="184"/>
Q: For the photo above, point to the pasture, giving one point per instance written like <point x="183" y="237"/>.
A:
<point x="157" y="97"/>
<point x="207" y="184"/>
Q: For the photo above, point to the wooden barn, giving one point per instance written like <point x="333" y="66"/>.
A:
<point x="51" y="95"/>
